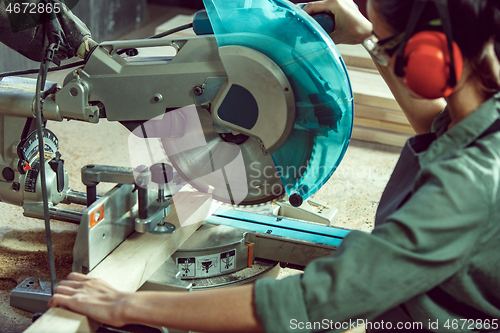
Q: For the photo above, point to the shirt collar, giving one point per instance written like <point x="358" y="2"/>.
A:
<point x="463" y="133"/>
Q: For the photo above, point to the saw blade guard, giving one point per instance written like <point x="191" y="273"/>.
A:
<point x="309" y="59"/>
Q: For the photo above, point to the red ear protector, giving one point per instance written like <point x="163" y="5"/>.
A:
<point x="430" y="62"/>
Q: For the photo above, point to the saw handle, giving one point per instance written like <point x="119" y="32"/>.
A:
<point x="325" y="20"/>
<point x="202" y="25"/>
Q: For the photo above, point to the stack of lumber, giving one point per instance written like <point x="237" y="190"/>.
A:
<point x="377" y="116"/>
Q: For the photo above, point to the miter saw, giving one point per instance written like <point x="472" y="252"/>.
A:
<point x="257" y="107"/>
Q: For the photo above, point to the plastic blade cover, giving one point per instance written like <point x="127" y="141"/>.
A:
<point x="311" y="62"/>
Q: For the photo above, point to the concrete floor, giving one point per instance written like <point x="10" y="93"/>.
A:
<point x="354" y="189"/>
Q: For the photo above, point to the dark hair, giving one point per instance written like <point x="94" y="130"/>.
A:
<point x="474" y="23"/>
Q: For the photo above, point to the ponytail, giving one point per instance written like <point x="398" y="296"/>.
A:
<point x="495" y="8"/>
<point x="496" y="16"/>
<point x="496" y="19"/>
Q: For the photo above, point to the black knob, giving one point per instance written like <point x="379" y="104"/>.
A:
<point x="8" y="174"/>
<point x="132" y="52"/>
<point x="295" y="200"/>
<point x="161" y="173"/>
<point x="16" y="186"/>
<point x="57" y="165"/>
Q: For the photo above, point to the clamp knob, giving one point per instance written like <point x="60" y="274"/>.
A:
<point x="141" y="183"/>
<point x="295" y="200"/>
<point x="161" y="173"/>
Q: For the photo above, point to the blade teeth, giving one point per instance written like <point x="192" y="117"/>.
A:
<point x="270" y="202"/>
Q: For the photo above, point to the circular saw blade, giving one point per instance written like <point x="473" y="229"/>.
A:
<point x="312" y="64"/>
<point x="242" y="174"/>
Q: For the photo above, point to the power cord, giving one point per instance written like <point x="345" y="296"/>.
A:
<point x="160" y="35"/>
<point x="83" y="62"/>
<point x="51" y="69"/>
<point x="55" y="41"/>
<point x="172" y="31"/>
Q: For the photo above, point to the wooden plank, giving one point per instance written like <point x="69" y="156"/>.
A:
<point x="378" y="136"/>
<point x="383" y="125"/>
<point x="129" y="257"/>
<point x="356" y="55"/>
<point x="59" y="320"/>
<point x="363" y="70"/>
<point x="371" y="89"/>
<point x="366" y="111"/>
<point x="135" y="260"/>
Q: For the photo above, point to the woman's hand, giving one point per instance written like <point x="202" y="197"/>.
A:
<point x="219" y="310"/>
<point x="351" y="27"/>
<point x="91" y="297"/>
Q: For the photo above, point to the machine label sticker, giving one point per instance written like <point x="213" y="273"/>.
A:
<point x="187" y="266"/>
<point x="207" y="266"/>
<point x="31" y="178"/>
<point x="227" y="260"/>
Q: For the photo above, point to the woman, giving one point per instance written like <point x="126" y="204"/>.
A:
<point x="432" y="262"/>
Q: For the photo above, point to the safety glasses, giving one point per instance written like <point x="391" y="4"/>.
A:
<point x="382" y="50"/>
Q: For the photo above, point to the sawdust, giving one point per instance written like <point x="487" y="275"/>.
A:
<point x="23" y="254"/>
<point x="7" y="284"/>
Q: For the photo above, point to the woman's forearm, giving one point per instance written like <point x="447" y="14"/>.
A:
<point x="219" y="310"/>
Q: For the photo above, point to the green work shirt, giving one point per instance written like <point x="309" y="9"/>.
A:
<point x="447" y="234"/>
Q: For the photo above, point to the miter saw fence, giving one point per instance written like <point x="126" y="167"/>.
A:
<point x="322" y="122"/>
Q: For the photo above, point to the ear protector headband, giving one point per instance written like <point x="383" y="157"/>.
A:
<point x="430" y="61"/>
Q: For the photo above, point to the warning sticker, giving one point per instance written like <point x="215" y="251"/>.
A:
<point x="206" y="266"/>
<point x="227" y="260"/>
<point x="187" y="266"/>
